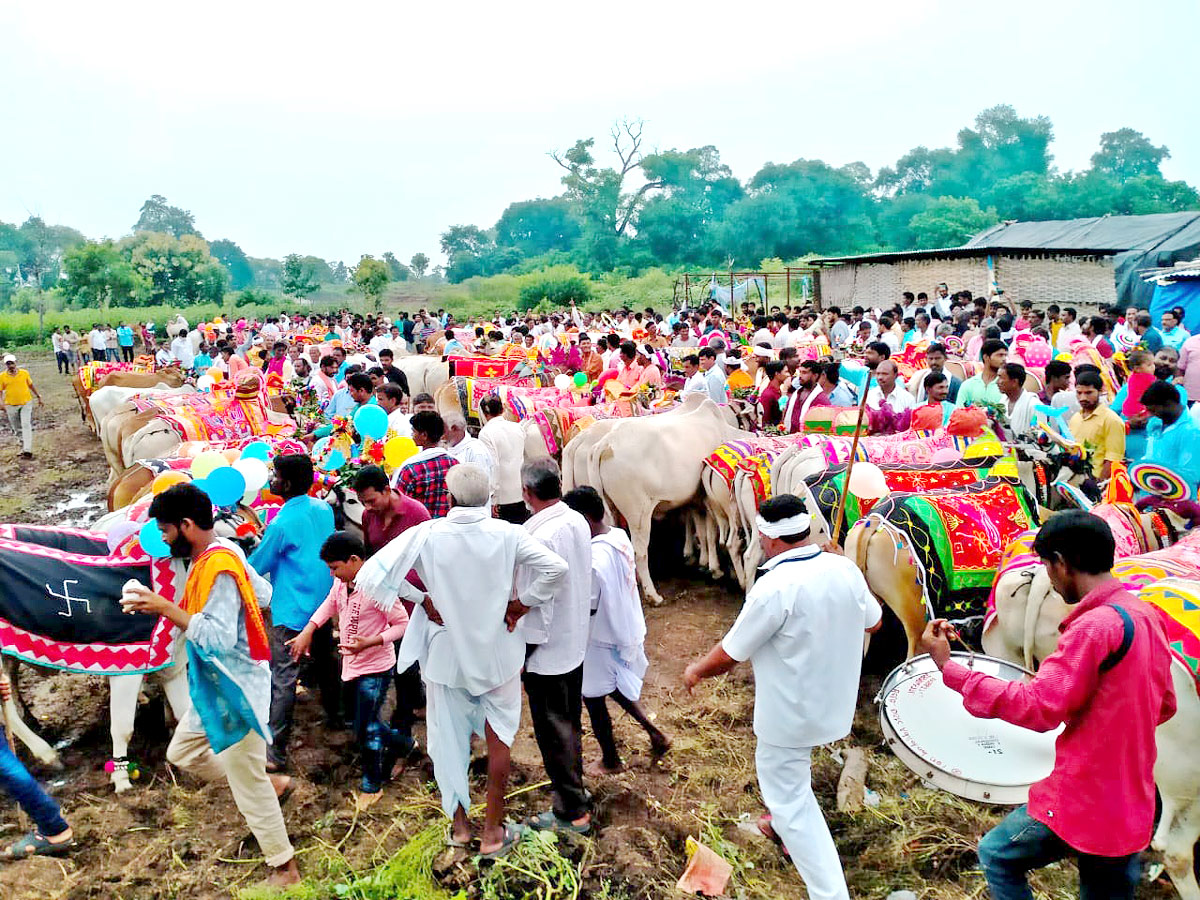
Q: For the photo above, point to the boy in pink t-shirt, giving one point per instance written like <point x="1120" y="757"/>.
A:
<point x="367" y="638"/>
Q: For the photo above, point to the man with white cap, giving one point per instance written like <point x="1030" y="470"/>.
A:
<point x="461" y="631"/>
<point x="18" y="390"/>
<point x="802" y="629"/>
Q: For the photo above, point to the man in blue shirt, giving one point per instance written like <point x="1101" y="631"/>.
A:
<point x="1172" y="437"/>
<point x="125" y="341"/>
<point x="289" y="556"/>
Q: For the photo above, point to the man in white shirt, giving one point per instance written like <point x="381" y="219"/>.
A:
<point x="887" y="389"/>
<point x="802" y="629"/>
<point x="1018" y="403"/>
<point x="505" y="440"/>
<point x="470" y="659"/>
<point x="714" y="375"/>
<point x="695" y="381"/>
<point x="391" y="400"/>
<point x="467" y="449"/>
<point x="97" y="344"/>
<point x="558" y="630"/>
<point x="1070" y="331"/>
<point x="181" y="350"/>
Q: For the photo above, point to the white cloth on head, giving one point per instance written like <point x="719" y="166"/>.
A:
<point x="467" y="562"/>
<point x="797" y="524"/>
<point x="560" y="626"/>
<point x="452" y="715"/>
<point x="506" y="442"/>
<point x="616" y="655"/>
<point x="785" y="779"/>
<point x="802" y="629"/>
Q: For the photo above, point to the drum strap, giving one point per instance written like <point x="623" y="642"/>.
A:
<point x="1126" y="640"/>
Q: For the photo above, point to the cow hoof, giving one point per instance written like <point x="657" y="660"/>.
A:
<point x="121" y="782"/>
<point x="654" y="600"/>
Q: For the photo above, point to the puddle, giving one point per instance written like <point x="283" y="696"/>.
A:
<point x="80" y="509"/>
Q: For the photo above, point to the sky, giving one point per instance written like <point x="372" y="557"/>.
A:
<point x="361" y="127"/>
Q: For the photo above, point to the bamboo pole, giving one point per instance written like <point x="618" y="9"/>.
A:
<point x="841" y="510"/>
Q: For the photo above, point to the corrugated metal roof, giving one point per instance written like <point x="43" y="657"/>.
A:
<point x="957" y="253"/>
<point x="1116" y="234"/>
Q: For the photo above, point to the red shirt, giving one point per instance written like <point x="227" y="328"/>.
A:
<point x="769" y="401"/>
<point x="406" y="512"/>
<point x="1100" y="796"/>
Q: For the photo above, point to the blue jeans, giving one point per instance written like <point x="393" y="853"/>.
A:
<point x="22" y="787"/>
<point x="1020" y="844"/>
<point x="380" y="745"/>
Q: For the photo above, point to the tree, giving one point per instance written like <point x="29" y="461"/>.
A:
<point x="297" y="280"/>
<point x="537" y="226"/>
<point x="370" y="279"/>
<point x="267" y="272"/>
<point x="341" y="274"/>
<point x="697" y="189"/>
<point x="949" y="222"/>
<point x="175" y="271"/>
<point x="99" y="274"/>
<point x="419" y="263"/>
<point x="158" y="215"/>
<point x="1127" y="153"/>
<point x="232" y="257"/>
<point x="398" y="270"/>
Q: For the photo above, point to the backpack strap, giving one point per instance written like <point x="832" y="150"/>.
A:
<point x="1126" y="640"/>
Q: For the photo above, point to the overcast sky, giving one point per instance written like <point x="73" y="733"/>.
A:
<point x="353" y="127"/>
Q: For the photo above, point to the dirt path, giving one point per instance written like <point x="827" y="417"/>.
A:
<point x="178" y="840"/>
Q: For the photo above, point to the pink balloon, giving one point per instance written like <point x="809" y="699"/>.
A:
<point x="945" y="455"/>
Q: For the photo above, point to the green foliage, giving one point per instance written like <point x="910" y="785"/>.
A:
<point x="297" y="279"/>
<point x="99" y="274"/>
<point x="1127" y="153"/>
<point x="555" y="291"/>
<point x="398" y="270"/>
<point x="174" y="271"/>
<point x="158" y="215"/>
<point x="231" y="256"/>
<point x="950" y="221"/>
<point x="253" y="297"/>
<point x="535" y="869"/>
<point x="420" y="264"/>
<point x="370" y="278"/>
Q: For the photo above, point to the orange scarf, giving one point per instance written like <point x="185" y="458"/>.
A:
<point x="218" y="560"/>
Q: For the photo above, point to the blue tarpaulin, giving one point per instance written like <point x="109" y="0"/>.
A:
<point x="1185" y="293"/>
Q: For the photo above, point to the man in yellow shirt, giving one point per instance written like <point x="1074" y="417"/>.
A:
<point x="1096" y="426"/>
<point x="18" y="390"/>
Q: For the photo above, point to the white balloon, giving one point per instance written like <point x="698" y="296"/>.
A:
<point x="868" y="482"/>
<point x="255" y="472"/>
<point x="204" y="383"/>
<point x="562" y="382"/>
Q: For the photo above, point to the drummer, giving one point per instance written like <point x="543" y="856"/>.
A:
<point x="1109" y="682"/>
<point x="802" y="629"/>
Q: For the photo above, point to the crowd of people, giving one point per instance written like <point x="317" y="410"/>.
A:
<point x="477" y="578"/>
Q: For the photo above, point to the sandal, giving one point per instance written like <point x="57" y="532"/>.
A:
<point x="549" y="821"/>
<point x="458" y="845"/>
<point x="33" y="844"/>
<point x="513" y="835"/>
<point x="765" y="829"/>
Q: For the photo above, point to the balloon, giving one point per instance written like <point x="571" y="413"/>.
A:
<point x="254" y="471"/>
<point x="335" y="460"/>
<point x="166" y="480"/>
<point x="231" y="455"/>
<point x="206" y="462"/>
<point x="580" y="379"/>
<point x="982" y="449"/>
<point x="562" y="381"/>
<point x="152" y="541"/>
<point x="945" y="455"/>
<point x="204" y="383"/>
<point x="397" y="450"/>
<point x="867" y="481"/>
<point x="257" y="450"/>
<point x="318" y="449"/>
<point x="855" y="374"/>
<point x="119" y="533"/>
<point x="371" y="421"/>
<point x="216" y="375"/>
<point x="225" y="486"/>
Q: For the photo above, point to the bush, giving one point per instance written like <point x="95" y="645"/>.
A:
<point x="560" y="291"/>
<point x="252" y="297"/>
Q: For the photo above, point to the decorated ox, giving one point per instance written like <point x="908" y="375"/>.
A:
<point x="1024" y="629"/>
<point x="109" y="398"/>
<point x="647" y="466"/>
<point x="425" y="374"/>
<point x="91" y="378"/>
<point x="939" y="551"/>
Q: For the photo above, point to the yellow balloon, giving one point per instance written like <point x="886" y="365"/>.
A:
<point x="166" y="480"/>
<point x="981" y="449"/>
<point x="206" y="462"/>
<point x="397" y="450"/>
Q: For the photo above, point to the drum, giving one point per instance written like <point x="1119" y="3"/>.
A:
<point x="931" y="732"/>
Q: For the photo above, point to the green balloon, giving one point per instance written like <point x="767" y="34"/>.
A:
<point x="580" y="379"/>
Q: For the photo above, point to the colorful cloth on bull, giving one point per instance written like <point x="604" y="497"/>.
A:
<point x="827" y="488"/>
<point x="1178" y="605"/>
<point x="94" y="372"/>
<point x="909" y="448"/>
<point x="200" y="417"/>
<point x="728" y="458"/>
<point x="958" y="538"/>
<point x="483" y="366"/>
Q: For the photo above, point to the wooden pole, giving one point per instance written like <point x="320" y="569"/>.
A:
<point x="841" y="510"/>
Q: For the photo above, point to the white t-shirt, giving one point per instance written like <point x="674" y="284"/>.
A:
<point x="1020" y="416"/>
<point x="802" y="629"/>
<point x="696" y="383"/>
<point x="96" y="340"/>
<point x="899" y="399"/>
<point x="560" y="627"/>
<point x="398" y="421"/>
<point x="505" y="440"/>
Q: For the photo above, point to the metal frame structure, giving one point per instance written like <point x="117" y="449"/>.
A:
<point x="685" y="283"/>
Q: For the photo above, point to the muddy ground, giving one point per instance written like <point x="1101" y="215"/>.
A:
<point x="172" y="838"/>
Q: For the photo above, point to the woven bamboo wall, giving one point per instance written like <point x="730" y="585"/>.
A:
<point x="1078" y="281"/>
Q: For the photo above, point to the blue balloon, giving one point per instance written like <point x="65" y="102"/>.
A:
<point x="257" y="450"/>
<point x="225" y="486"/>
<point x="371" y="421"/>
<point x="856" y="375"/>
<point x="319" y="447"/>
<point x="335" y="460"/>
<point x="152" y="540"/>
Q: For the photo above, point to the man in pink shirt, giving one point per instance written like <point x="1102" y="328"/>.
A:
<point x="1109" y="682"/>
<point x="1189" y="367"/>
<point x="367" y="643"/>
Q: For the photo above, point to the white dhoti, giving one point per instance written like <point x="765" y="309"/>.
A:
<point x="452" y="715"/>
<point x="785" y="778"/>
<point x="606" y="668"/>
